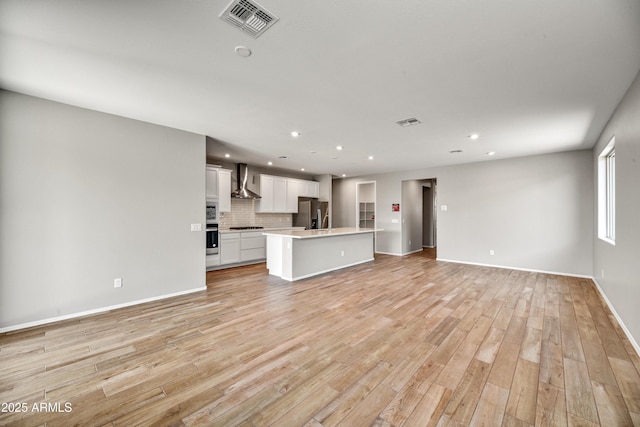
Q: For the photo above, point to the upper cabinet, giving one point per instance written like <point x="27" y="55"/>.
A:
<point x="278" y="194"/>
<point x="308" y="189"/>
<point x="212" y="182"/>
<point x="219" y="187"/>
<point x="224" y="190"/>
<point x="265" y="203"/>
<point x="291" y="201"/>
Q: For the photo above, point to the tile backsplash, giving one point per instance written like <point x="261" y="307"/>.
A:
<point x="243" y="213"/>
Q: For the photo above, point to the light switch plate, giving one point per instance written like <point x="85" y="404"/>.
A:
<point x="196" y="227"/>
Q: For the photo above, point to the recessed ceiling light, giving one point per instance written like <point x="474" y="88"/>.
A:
<point x="295" y="133"/>
<point x="491" y="153"/>
<point x="227" y="155"/>
<point x="344" y="174"/>
<point x="302" y="169"/>
<point x="243" y="51"/>
<point x="270" y="163"/>
<point x="339" y="147"/>
<point x="474" y="136"/>
<point x="370" y="157"/>
<point x="313" y="152"/>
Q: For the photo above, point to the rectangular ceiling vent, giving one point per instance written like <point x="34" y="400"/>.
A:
<point x="249" y="16"/>
<point x="408" y="122"/>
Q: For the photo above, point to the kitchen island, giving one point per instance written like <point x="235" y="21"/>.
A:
<point x="295" y="255"/>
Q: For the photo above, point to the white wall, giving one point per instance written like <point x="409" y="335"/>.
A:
<point x="621" y="281"/>
<point x="535" y="212"/>
<point x="366" y="193"/>
<point x="86" y="197"/>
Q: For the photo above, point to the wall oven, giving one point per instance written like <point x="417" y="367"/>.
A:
<point x="212" y="239"/>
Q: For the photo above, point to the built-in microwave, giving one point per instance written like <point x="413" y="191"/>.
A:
<point x="212" y="211"/>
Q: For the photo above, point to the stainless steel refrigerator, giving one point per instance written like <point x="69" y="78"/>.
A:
<point x="311" y="214"/>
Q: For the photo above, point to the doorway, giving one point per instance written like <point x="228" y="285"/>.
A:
<point x="418" y="221"/>
<point x="429" y="218"/>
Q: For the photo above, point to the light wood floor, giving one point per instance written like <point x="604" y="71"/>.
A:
<point x="401" y="341"/>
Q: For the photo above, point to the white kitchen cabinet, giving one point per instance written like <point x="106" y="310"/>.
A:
<point x="291" y="204"/>
<point x="213" y="260"/>
<point x="218" y="187"/>
<point x="229" y="248"/>
<point x="252" y="246"/>
<point x="278" y="195"/>
<point x="241" y="247"/>
<point x="212" y="182"/>
<point x="265" y="203"/>
<point x="224" y="190"/>
<point x="308" y="189"/>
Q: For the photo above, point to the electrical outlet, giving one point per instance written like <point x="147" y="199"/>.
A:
<point x="603" y="273"/>
<point x="443" y="208"/>
<point x="117" y="282"/>
<point x="341" y="253"/>
<point x="491" y="252"/>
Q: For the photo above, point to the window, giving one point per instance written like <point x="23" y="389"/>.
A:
<point x="607" y="193"/>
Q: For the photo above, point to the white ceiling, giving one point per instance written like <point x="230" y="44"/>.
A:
<point x="530" y="76"/>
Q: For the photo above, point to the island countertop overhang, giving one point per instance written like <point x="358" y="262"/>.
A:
<point x="312" y="234"/>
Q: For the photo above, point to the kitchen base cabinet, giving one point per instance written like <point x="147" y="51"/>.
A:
<point x="229" y="248"/>
<point x="253" y="246"/>
<point x="213" y="260"/>
<point x="242" y="248"/>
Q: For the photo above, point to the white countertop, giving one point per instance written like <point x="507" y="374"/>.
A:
<point x="311" y="234"/>
<point x="259" y="230"/>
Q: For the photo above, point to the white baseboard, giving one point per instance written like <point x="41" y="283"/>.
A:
<point x="633" y="342"/>
<point x="516" y="268"/>
<point x="96" y="311"/>
<point x="395" y="254"/>
<point x="388" y="253"/>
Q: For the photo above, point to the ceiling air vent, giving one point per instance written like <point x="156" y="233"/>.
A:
<point x="249" y="16"/>
<point x="408" y="122"/>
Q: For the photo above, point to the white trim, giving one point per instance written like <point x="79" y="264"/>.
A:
<point x="96" y="311"/>
<point x="395" y="254"/>
<point x="388" y="253"/>
<point x="604" y="193"/>
<point x="633" y="342"/>
<point x="413" y="252"/>
<point x="582" y="276"/>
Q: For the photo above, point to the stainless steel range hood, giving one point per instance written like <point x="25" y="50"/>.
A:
<point x="242" y="192"/>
